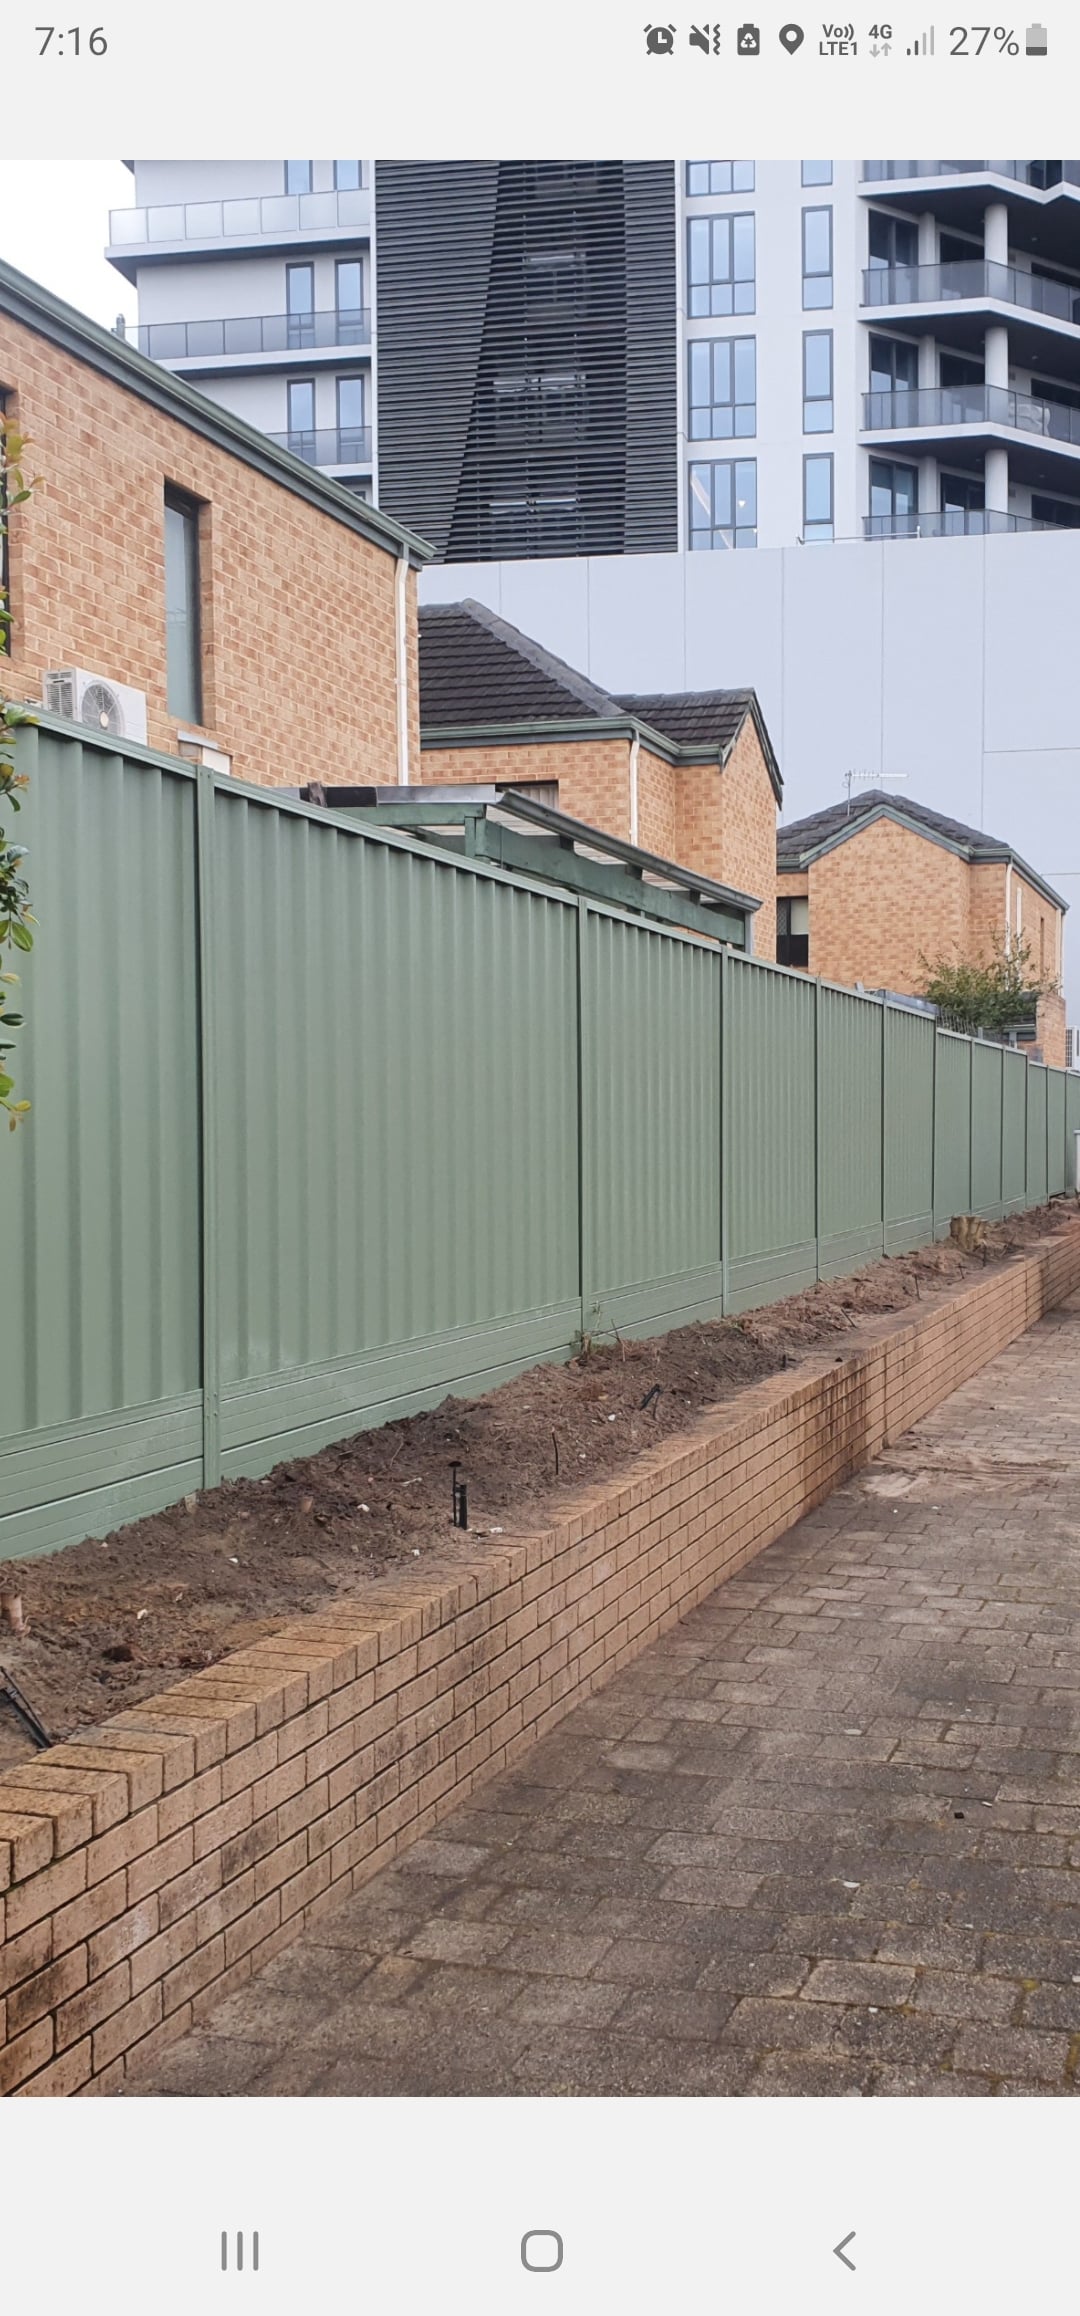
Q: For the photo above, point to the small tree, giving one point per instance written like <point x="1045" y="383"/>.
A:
<point x="15" y="916"/>
<point x="994" y="992"/>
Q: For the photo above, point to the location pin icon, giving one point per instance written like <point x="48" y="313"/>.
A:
<point x="792" y="37"/>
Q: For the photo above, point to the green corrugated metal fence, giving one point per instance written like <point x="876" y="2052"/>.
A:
<point x="327" y="1124"/>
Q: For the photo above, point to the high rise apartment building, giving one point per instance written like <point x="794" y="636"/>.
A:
<point x="535" y="359"/>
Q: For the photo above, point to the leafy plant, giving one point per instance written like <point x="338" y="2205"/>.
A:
<point x="995" y="991"/>
<point x="16" y="918"/>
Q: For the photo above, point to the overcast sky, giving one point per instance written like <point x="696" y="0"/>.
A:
<point x="54" y="224"/>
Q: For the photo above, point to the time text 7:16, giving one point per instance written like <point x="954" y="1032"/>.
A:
<point x="73" y="42"/>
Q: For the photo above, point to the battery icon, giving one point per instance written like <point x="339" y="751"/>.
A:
<point x="1035" y="40"/>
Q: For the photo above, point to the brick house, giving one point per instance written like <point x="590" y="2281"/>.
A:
<point x="689" y="776"/>
<point x="256" y="611"/>
<point x="867" y="888"/>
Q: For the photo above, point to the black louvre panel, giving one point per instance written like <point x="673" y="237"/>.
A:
<point x="527" y="355"/>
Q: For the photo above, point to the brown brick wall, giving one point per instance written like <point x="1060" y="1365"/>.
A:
<point x="879" y="900"/>
<point x="659" y="798"/>
<point x="593" y="776"/>
<point x="298" y="610"/>
<point x="152" y="1866"/>
<point x="727" y="828"/>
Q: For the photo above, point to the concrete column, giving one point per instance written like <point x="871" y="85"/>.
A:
<point x="928" y="238"/>
<point x="996" y="354"/>
<point x="996" y="233"/>
<point x="997" y="479"/>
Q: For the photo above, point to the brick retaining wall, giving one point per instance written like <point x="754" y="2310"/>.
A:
<point x="150" y="1865"/>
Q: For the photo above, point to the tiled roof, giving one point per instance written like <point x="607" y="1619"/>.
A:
<point x="799" y="840"/>
<point x="714" y="718"/>
<point x="477" y="669"/>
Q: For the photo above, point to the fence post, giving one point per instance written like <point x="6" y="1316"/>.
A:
<point x="933" y="1138"/>
<point x="1002" y="1201"/>
<point x="971" y="1126"/>
<point x="208" y="1178"/>
<point x="884" y="1115"/>
<point x="817" y="1129"/>
<point x="726" y="969"/>
<point x="585" y="1252"/>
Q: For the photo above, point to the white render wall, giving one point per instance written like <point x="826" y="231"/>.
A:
<point x="952" y="661"/>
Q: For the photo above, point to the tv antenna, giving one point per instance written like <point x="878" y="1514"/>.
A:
<point x="877" y="780"/>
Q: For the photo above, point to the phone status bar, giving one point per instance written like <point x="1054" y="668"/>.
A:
<point x="881" y="40"/>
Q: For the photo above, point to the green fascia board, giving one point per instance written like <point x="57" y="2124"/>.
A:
<point x="534" y="734"/>
<point x="793" y="864"/>
<point x="623" y="887"/>
<point x="50" y="317"/>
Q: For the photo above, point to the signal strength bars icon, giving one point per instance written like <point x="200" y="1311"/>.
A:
<point x="923" y="46"/>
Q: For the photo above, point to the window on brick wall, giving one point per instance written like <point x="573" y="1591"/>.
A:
<point x="183" y="640"/>
<point x="793" y="933"/>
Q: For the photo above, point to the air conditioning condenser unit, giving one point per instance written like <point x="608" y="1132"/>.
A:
<point x="96" y="701"/>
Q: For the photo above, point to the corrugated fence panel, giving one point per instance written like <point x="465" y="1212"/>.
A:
<point x="397" y="1137"/>
<point x="1072" y="1129"/>
<point x="651" y="1082"/>
<point x="952" y="1130"/>
<point x="1014" y="1131"/>
<point x="1055" y="1132"/>
<point x="987" y="1065"/>
<point x="909" y="1129"/>
<point x="850" y="1062"/>
<point x="769" y="1127"/>
<point x="1036" y="1134"/>
<point x="327" y="1123"/>
<point x="101" y="1185"/>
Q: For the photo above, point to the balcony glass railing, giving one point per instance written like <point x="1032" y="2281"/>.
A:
<point x="272" y="214"/>
<point x="950" y="523"/>
<point x="1041" y="176"/>
<point x="328" y="445"/>
<point x="974" y="279"/>
<point x="913" y="408"/>
<point x="255" y="334"/>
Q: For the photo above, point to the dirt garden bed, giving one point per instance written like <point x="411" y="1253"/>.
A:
<point x="110" y="1621"/>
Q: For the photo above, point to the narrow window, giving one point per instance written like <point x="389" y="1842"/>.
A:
<point x="817" y="382"/>
<point x="297" y="176"/>
<point x="300" y="304"/>
<point x="818" y="498"/>
<point x="350" y="416"/>
<point x="348" y="176"/>
<point x="817" y="241"/>
<point x="817" y="172"/>
<point x="350" y="301"/>
<point x="793" y="933"/>
<point x="183" y="649"/>
<point x="723" y="388"/>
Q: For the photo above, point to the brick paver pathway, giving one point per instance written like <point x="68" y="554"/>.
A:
<point x="823" y="1838"/>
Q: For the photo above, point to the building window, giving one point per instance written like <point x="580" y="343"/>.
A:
<point x="348" y="176"/>
<point x="183" y="648"/>
<point x="555" y="277"/>
<point x="723" y="503"/>
<point x="894" y="241"/>
<point x="300" y="393"/>
<point x="817" y="365"/>
<point x="793" y="933"/>
<point x="894" y="499"/>
<point x="300" y="302"/>
<point x="719" y="177"/>
<point x="350" y="417"/>
<point x="894" y="365"/>
<point x="723" y="388"/>
<point x="963" y="497"/>
<point x="1062" y="514"/>
<point x="817" y="172"/>
<point x="297" y="176"/>
<point x="818" y="499"/>
<point x="349" y="290"/>
<point x="817" y="257"/>
<point x="720" y="265"/>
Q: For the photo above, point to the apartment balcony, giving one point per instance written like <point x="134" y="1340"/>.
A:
<point x="1042" y="198"/>
<point x="975" y="281"/>
<point x="236" y="228"/>
<point x="1039" y="176"/>
<point x="341" y="448"/>
<point x="1043" y="437"/>
<point x="950" y="523"/>
<point x="257" y="341"/>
